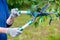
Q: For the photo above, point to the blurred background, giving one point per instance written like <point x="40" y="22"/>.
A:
<point x="39" y="30"/>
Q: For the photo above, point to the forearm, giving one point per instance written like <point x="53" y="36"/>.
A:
<point x="10" y="21"/>
<point x="13" y="15"/>
<point x="3" y="30"/>
<point x="11" y="31"/>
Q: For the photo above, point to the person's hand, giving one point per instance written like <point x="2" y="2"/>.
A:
<point x="13" y="32"/>
<point x="14" y="12"/>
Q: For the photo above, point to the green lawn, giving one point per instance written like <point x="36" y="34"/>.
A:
<point x="43" y="32"/>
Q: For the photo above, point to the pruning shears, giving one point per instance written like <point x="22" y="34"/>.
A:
<point x="35" y="15"/>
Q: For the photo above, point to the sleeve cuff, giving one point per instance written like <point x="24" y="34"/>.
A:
<point x="8" y="25"/>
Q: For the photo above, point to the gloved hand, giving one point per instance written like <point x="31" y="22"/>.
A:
<point x="14" y="13"/>
<point x="13" y="32"/>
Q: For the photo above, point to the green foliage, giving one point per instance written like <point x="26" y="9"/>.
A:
<point x="42" y="32"/>
<point x="29" y="3"/>
<point x="33" y="5"/>
<point x="22" y="3"/>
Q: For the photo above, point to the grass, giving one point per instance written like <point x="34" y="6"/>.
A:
<point x="43" y="32"/>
